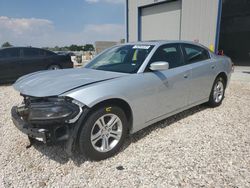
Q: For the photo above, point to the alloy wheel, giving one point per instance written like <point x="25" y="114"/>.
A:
<point x="106" y="132"/>
<point x="54" y="67"/>
<point x="218" y="92"/>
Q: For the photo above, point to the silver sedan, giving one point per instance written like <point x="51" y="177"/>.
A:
<point x="121" y="91"/>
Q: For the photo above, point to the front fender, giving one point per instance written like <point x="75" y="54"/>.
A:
<point x="133" y="89"/>
<point x="93" y="95"/>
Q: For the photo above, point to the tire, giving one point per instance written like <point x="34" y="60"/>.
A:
<point x="97" y="142"/>
<point x="54" y="67"/>
<point x="217" y="93"/>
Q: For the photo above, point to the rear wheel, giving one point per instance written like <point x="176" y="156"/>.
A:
<point x="217" y="93"/>
<point x="103" y="133"/>
<point x="54" y="67"/>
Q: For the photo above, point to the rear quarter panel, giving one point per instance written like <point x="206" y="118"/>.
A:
<point x="223" y="64"/>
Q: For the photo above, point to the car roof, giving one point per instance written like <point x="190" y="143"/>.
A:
<point x="28" y="47"/>
<point x="161" y="42"/>
<point x="13" y="47"/>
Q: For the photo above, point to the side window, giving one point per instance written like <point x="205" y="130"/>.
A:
<point x="10" y="53"/>
<point x="30" y="52"/>
<point x="195" y="53"/>
<point x="42" y="53"/>
<point x="170" y="53"/>
<point x="48" y="53"/>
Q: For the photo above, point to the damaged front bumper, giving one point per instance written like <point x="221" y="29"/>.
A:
<point x="49" y="131"/>
<point x="48" y="134"/>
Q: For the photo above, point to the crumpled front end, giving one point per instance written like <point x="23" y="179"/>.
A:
<point x="48" y="120"/>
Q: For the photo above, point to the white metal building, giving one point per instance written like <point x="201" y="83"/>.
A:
<point x="103" y="45"/>
<point x="193" y="20"/>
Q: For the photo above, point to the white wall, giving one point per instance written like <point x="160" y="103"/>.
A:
<point x="167" y="26"/>
<point x="198" y="21"/>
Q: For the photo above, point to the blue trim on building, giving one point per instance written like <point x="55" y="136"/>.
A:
<point x="139" y="24"/>
<point x="126" y="21"/>
<point x="217" y="39"/>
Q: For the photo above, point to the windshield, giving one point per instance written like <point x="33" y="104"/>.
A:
<point x="125" y="59"/>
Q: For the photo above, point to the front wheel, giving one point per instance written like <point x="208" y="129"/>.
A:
<point x="103" y="133"/>
<point x="217" y="93"/>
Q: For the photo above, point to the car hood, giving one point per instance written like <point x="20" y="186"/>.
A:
<point x="56" y="82"/>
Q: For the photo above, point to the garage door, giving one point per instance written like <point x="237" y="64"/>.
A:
<point x="161" y="22"/>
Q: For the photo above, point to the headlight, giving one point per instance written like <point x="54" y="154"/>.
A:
<point x="56" y="110"/>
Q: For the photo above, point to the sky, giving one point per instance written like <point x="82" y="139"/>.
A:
<point x="47" y="23"/>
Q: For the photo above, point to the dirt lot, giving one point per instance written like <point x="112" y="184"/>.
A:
<point x="199" y="147"/>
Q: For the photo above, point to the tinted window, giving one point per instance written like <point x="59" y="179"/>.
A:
<point x="170" y="53"/>
<point x="42" y="52"/>
<point x="30" y="52"/>
<point x="9" y="53"/>
<point x="46" y="53"/>
<point x="195" y="53"/>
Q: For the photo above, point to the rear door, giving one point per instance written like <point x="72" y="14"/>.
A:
<point x="203" y="71"/>
<point x="10" y="68"/>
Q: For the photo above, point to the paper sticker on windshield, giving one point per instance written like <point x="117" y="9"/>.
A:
<point x="141" y="47"/>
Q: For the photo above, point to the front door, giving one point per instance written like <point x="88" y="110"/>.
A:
<point x="169" y="88"/>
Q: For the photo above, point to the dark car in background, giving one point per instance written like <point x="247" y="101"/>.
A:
<point x="18" y="61"/>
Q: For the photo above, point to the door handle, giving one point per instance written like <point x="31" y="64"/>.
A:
<point x="213" y="66"/>
<point x="186" y="76"/>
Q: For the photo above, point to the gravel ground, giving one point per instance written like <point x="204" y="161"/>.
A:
<point x="199" y="147"/>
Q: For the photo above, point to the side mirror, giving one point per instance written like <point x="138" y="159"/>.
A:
<point x="159" y="66"/>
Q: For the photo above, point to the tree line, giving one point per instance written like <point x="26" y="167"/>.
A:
<point x="73" y="47"/>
